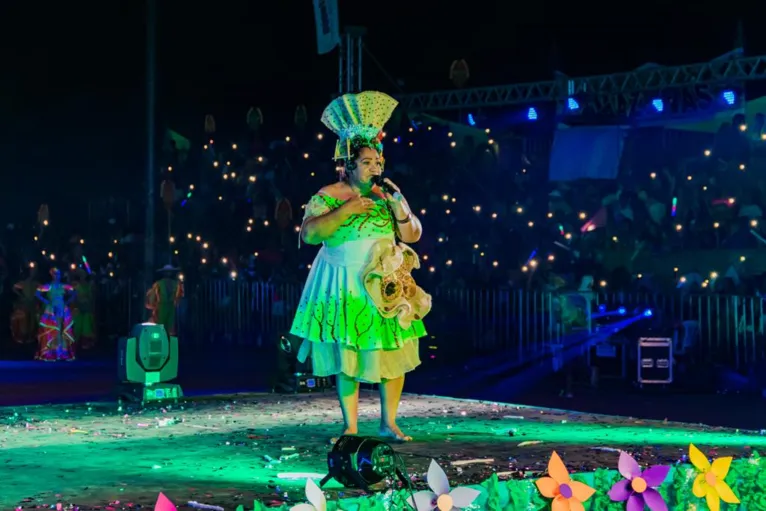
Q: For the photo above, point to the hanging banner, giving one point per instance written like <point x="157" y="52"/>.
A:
<point x="254" y="118"/>
<point x="328" y="25"/>
<point x="209" y="124"/>
<point x="459" y="73"/>
<point x="586" y="153"/>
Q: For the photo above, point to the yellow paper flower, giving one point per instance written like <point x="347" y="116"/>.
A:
<point x="567" y="495"/>
<point x="710" y="483"/>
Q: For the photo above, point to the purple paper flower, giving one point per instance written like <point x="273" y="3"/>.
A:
<point x="638" y="487"/>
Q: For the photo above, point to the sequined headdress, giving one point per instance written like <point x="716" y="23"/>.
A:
<point x="358" y="117"/>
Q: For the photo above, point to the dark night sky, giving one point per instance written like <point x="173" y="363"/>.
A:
<point x="74" y="90"/>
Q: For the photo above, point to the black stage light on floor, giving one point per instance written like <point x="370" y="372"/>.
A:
<point x="147" y="364"/>
<point x="358" y="462"/>
<point x="292" y="376"/>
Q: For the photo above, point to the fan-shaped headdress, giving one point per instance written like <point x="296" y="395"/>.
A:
<point x="358" y="118"/>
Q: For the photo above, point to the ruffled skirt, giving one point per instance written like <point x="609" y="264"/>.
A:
<point x="368" y="366"/>
<point x="343" y="330"/>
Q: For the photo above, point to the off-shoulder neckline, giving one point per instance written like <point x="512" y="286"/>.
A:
<point x="325" y="195"/>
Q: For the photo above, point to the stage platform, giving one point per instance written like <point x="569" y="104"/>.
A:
<point x="225" y="450"/>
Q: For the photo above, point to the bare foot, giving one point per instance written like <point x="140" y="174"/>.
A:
<point x="346" y="432"/>
<point x="393" y="432"/>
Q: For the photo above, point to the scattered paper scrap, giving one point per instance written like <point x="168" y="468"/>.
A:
<point x="460" y="463"/>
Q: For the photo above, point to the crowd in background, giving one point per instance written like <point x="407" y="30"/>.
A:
<point x="490" y="214"/>
<point x="491" y="217"/>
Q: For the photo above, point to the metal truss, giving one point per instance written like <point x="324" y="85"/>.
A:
<point x="616" y="93"/>
<point x="677" y="101"/>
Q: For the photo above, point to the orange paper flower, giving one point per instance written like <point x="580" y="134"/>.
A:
<point x="567" y="495"/>
<point x="710" y="483"/>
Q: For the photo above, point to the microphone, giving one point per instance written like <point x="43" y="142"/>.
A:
<point x="378" y="180"/>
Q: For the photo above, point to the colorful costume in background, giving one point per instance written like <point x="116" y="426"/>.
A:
<point x="163" y="299"/>
<point x="83" y="312"/>
<point x="361" y="312"/>
<point x="26" y="313"/>
<point x="55" y="337"/>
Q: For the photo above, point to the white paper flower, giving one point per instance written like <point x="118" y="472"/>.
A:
<point x="441" y="497"/>
<point x="315" y="496"/>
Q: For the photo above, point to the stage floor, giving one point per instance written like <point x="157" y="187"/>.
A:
<point x="217" y="450"/>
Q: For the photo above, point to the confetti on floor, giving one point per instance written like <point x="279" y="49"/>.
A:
<point x="229" y="450"/>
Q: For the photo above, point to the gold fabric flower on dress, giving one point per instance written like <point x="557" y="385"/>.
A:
<point x="710" y="482"/>
<point x="567" y="495"/>
<point x="409" y="288"/>
<point x="409" y="262"/>
<point x="390" y="286"/>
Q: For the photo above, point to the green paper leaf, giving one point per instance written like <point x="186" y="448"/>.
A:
<point x="257" y="506"/>
<point x="603" y="480"/>
<point x="493" y="500"/>
<point x="746" y="479"/>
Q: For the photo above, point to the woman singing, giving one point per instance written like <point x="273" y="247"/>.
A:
<point x="360" y="313"/>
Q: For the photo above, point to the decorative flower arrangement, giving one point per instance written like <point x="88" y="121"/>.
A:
<point x="656" y="488"/>
<point x="638" y="488"/>
<point x="566" y="493"/>
<point x="441" y="497"/>
<point x="710" y="482"/>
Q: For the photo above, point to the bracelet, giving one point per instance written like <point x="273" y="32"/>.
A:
<point x="407" y="219"/>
